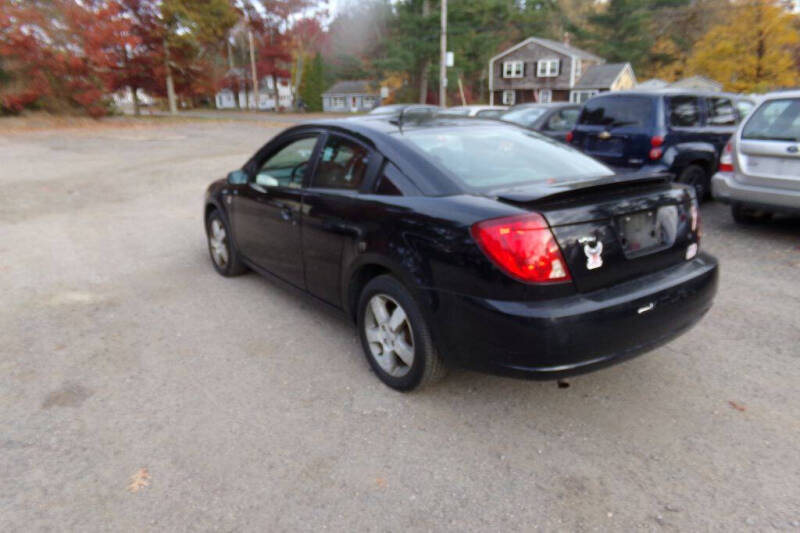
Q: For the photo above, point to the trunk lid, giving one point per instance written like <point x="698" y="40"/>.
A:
<point x="617" y="229"/>
<point x="769" y="163"/>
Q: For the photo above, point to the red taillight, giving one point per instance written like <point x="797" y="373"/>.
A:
<point x="569" y="136"/>
<point x="522" y="246"/>
<point x="656" y="141"/>
<point x="726" y="160"/>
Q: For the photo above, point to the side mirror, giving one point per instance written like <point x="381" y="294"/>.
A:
<point x="238" y="177"/>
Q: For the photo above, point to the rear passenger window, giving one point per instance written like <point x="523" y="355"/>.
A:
<point x="721" y="112"/>
<point x="342" y="165"/>
<point x="684" y="111"/>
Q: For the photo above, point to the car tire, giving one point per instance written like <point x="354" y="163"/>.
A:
<point x="224" y="257"/>
<point x="745" y="215"/>
<point x="697" y="177"/>
<point x="386" y="339"/>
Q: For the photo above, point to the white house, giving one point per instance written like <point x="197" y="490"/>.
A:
<point x="226" y="98"/>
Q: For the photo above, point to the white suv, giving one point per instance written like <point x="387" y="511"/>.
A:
<point x="759" y="170"/>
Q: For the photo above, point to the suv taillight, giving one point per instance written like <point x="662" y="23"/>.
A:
<point x="569" y="136"/>
<point x="523" y="247"/>
<point x="726" y="159"/>
<point x="655" y="151"/>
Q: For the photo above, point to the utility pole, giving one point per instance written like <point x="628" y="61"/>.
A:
<point x="253" y="68"/>
<point x="443" y="58"/>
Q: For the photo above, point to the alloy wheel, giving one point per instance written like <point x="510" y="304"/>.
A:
<point x="217" y="241"/>
<point x="389" y="335"/>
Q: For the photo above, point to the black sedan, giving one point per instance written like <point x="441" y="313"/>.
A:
<point x="484" y="245"/>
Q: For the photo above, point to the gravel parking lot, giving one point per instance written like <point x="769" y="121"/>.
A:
<point x="251" y="408"/>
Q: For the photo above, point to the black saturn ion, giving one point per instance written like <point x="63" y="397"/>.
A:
<point x="453" y="243"/>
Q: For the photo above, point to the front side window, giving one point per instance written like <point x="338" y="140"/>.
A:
<point x="721" y="112"/>
<point x="508" y="97"/>
<point x="547" y="68"/>
<point x="684" y="111"/>
<point x="488" y="156"/>
<point x="774" y="120"/>
<point x="342" y="165"/>
<point x="513" y="69"/>
<point x="287" y="166"/>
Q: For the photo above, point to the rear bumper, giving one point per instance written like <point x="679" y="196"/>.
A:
<point x="727" y="189"/>
<point x="576" y="334"/>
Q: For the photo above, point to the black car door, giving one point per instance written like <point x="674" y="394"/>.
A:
<point x="331" y="208"/>
<point x="266" y="212"/>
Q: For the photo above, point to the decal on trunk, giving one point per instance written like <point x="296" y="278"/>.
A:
<point x="593" y="248"/>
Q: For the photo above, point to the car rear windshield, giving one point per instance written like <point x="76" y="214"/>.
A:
<point x="775" y="120"/>
<point x="485" y="157"/>
<point x="618" y="111"/>
<point x="524" y="116"/>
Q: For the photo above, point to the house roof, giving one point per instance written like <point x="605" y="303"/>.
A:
<point x="601" y="76"/>
<point x="652" y="83"/>
<point x="351" y="87"/>
<point x="552" y="45"/>
<point x="697" y="82"/>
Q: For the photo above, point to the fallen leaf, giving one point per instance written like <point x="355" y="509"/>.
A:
<point x="737" y="406"/>
<point x="380" y="482"/>
<point x="139" y="480"/>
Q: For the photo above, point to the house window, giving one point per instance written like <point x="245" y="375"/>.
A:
<point x="545" y="96"/>
<point x="579" y="97"/>
<point x="338" y="101"/>
<point x="508" y="97"/>
<point x="547" y="68"/>
<point x="513" y="69"/>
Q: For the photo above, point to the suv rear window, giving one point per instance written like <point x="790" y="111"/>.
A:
<point x="775" y="120"/>
<point x="616" y="111"/>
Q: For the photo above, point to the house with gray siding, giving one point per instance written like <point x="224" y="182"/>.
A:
<point x="350" y="97"/>
<point x="544" y="71"/>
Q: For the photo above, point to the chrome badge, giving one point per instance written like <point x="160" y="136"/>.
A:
<point x="593" y="248"/>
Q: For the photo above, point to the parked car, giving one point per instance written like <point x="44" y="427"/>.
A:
<point x="415" y="111"/>
<point x="671" y="130"/>
<point x="553" y="120"/>
<point x="457" y="242"/>
<point x="477" y="111"/>
<point x="759" y="171"/>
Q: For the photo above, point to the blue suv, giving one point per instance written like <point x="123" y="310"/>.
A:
<point x="675" y="131"/>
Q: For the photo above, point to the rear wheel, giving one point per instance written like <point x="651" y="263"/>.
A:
<point x="395" y="338"/>
<point x="697" y="177"/>
<point x="746" y="215"/>
<point x="223" y="255"/>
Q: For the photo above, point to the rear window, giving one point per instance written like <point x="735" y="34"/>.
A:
<point x="525" y="116"/>
<point x="487" y="157"/>
<point x="775" y="120"/>
<point x="618" y="111"/>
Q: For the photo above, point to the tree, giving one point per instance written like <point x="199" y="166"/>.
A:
<point x="312" y="87"/>
<point x="307" y="37"/>
<point x="751" y="49"/>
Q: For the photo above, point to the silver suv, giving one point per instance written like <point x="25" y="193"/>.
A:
<point x="759" y="170"/>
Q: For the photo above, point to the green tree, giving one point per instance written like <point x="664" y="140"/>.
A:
<point x="312" y="86"/>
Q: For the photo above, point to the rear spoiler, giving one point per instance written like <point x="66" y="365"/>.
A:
<point x="535" y="194"/>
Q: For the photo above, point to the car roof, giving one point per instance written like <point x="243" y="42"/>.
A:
<point x="670" y="91"/>
<point x="787" y="93"/>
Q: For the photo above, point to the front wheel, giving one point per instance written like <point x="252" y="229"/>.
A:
<point x="223" y="255"/>
<point x="697" y="177"/>
<point x="395" y="338"/>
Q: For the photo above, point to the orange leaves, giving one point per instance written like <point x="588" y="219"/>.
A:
<point x="139" y="480"/>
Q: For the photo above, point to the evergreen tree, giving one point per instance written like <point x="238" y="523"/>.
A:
<point x="312" y="87"/>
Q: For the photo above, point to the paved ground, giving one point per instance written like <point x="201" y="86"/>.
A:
<point x="252" y="409"/>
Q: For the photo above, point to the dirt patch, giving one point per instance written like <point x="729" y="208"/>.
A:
<point x="69" y="395"/>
